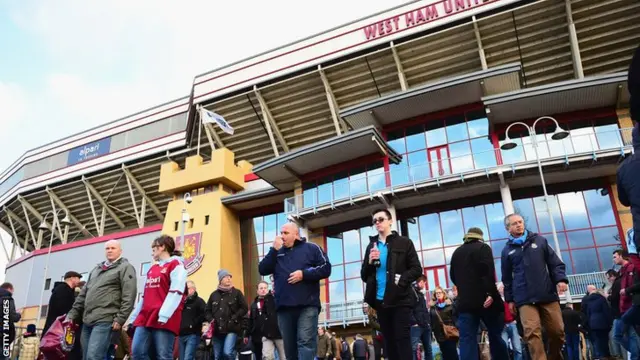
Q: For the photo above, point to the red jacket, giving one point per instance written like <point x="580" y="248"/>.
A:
<point x="626" y="280"/>
<point x="508" y="316"/>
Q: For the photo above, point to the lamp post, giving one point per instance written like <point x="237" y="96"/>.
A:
<point x="558" y="134"/>
<point x="184" y="218"/>
<point x="66" y="222"/>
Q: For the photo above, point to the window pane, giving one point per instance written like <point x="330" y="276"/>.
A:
<point x="543" y="216"/>
<point x="498" y="265"/>
<point x="456" y="129"/>
<point x="461" y="160"/>
<point x="478" y="127"/>
<point x="376" y="178"/>
<point x="608" y="136"/>
<point x="452" y="227"/>
<point x="497" y="246"/>
<point x="524" y="207"/>
<point x="325" y="191"/>
<point x="396" y="140"/>
<point x="337" y="272"/>
<point x="258" y="229"/>
<point x="433" y="258"/>
<point x="415" y="138"/>
<point x="352" y="270"/>
<point x="484" y="155"/>
<point x="607" y="236"/>
<point x="562" y="241"/>
<point x="578" y="239"/>
<point x="495" y="216"/>
<point x="436" y="136"/>
<point x="334" y="250"/>
<point x="341" y="187"/>
<point x="583" y="140"/>
<point x="573" y="210"/>
<point x="606" y="256"/>
<point x="270" y="227"/>
<point x="430" y="233"/>
<point x="414" y="234"/>
<point x="399" y="173"/>
<point x="336" y="292"/>
<point x="448" y="252"/>
<point x="585" y="260"/>
<point x="309" y="197"/>
<point x="599" y="207"/>
<point x="418" y="165"/>
<point x="474" y="217"/>
<point x="567" y="260"/>
<point x="351" y="246"/>
<point x="354" y="289"/>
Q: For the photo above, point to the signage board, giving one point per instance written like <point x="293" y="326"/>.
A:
<point x="89" y="151"/>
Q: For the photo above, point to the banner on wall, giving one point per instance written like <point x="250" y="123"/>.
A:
<point x="89" y="151"/>
<point x="192" y="253"/>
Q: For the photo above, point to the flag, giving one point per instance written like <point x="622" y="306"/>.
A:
<point x="213" y="118"/>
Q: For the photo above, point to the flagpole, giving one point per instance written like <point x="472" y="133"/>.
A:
<point x="199" y="127"/>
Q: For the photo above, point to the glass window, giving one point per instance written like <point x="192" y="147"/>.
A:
<point x="573" y="210"/>
<point x="585" y="261"/>
<point x="399" y="173"/>
<point x="543" y="216"/>
<point x="461" y="159"/>
<point x="448" y="252"/>
<point x="433" y="258"/>
<point x="512" y="156"/>
<point x="475" y="217"/>
<point x="436" y="134"/>
<point x="415" y="138"/>
<point x="452" y="227"/>
<point x="605" y="254"/>
<point x="336" y="292"/>
<point x="351" y="241"/>
<point x="144" y="268"/>
<point x="608" y="136"/>
<point x="497" y="246"/>
<point x="483" y="153"/>
<point x="430" y="231"/>
<point x="478" y="127"/>
<point x="495" y="217"/>
<point x="334" y="250"/>
<point x="580" y="239"/>
<point x="456" y="128"/>
<point x="599" y="207"/>
<point x="178" y="123"/>
<point x="118" y="142"/>
<point x="354" y="289"/>
<point x="583" y="140"/>
<point x="324" y="191"/>
<point x="397" y="141"/>
<point x="607" y="236"/>
<point x="59" y="160"/>
<point x="337" y="271"/>
<point x="352" y="270"/>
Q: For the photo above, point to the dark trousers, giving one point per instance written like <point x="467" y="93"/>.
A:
<point x="257" y="346"/>
<point x="449" y="349"/>
<point x="572" y="343"/>
<point x="395" y="324"/>
<point x="600" y="341"/>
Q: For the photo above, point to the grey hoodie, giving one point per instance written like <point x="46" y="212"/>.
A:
<point x="109" y="294"/>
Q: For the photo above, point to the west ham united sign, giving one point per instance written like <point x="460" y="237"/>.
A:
<point x="192" y="253"/>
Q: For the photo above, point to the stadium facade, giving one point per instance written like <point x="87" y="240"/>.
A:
<point x="405" y="109"/>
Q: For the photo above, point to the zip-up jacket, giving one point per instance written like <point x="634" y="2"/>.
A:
<point x="263" y="320"/>
<point x="305" y="256"/>
<point x="192" y="315"/>
<point x="597" y="312"/>
<point x="227" y="309"/>
<point x="628" y="180"/>
<point x="615" y="298"/>
<point x="634" y="290"/>
<point x="402" y="259"/>
<point x="531" y="271"/>
<point x="420" y="314"/>
<point x="626" y="280"/>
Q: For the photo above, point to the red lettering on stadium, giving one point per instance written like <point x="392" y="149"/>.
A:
<point x="419" y="16"/>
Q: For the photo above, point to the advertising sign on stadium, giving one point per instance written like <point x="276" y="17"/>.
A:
<point x="89" y="151"/>
<point x="401" y="21"/>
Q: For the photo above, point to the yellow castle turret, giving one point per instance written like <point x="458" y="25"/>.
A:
<point x="212" y="232"/>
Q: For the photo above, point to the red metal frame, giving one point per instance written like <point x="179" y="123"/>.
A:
<point x="436" y="277"/>
<point x="440" y="160"/>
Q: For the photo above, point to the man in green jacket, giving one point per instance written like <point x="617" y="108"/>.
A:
<point x="105" y="302"/>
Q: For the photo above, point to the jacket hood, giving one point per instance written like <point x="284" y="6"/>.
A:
<point x="5" y="293"/>
<point x="57" y="284"/>
<point x="635" y="137"/>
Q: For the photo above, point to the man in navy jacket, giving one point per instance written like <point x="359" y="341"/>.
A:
<point x="533" y="275"/>
<point x="297" y="266"/>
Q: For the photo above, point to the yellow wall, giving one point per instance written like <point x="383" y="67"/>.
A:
<point x="625" y="122"/>
<point x="220" y="241"/>
<point x="624" y="213"/>
<point x="316" y="236"/>
<point x="29" y="315"/>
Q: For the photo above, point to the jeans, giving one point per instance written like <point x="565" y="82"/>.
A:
<point x="600" y="341"/>
<point x="188" y="346"/>
<point x="224" y="347"/>
<point x="627" y="338"/>
<point x="272" y="349"/>
<point x="572" y="342"/>
<point x="95" y="340"/>
<point x="510" y="333"/>
<point x="468" y="325"/>
<point x="299" y="329"/>
<point x="421" y="335"/>
<point x="161" y="340"/>
<point x="616" y="349"/>
<point x="395" y="324"/>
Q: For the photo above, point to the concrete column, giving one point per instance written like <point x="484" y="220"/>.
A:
<point x="507" y="202"/>
<point x="573" y="42"/>
<point x="394" y="225"/>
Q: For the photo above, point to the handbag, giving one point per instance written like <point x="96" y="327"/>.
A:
<point x="450" y="332"/>
<point x="485" y="350"/>
<point x="59" y="339"/>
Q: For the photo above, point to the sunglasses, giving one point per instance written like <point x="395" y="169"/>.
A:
<point x="378" y="220"/>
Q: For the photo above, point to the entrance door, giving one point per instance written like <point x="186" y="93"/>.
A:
<point x="439" y="161"/>
<point x="436" y="276"/>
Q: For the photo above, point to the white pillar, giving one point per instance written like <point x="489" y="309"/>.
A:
<point x="507" y="202"/>
<point x="394" y="222"/>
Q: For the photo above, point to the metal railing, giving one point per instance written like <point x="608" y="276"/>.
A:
<point x="375" y="181"/>
<point x="353" y="312"/>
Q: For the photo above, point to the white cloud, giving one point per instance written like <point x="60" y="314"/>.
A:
<point x="12" y="104"/>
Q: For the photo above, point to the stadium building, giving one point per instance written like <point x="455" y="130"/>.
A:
<point x="408" y="109"/>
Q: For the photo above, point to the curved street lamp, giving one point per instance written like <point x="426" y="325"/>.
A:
<point x="43" y="226"/>
<point x="558" y="134"/>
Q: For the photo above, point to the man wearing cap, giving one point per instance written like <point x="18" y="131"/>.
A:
<point x="473" y="272"/>
<point x="62" y="298"/>
<point x="226" y="310"/>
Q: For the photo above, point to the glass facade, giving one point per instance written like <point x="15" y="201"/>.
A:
<point x="585" y="136"/>
<point x="585" y="224"/>
<point x="441" y="147"/>
<point x="257" y="235"/>
<point x="359" y="180"/>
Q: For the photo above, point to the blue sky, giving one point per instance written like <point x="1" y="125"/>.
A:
<point x="66" y="66"/>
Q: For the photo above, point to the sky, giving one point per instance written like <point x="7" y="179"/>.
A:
<point x="66" y="66"/>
